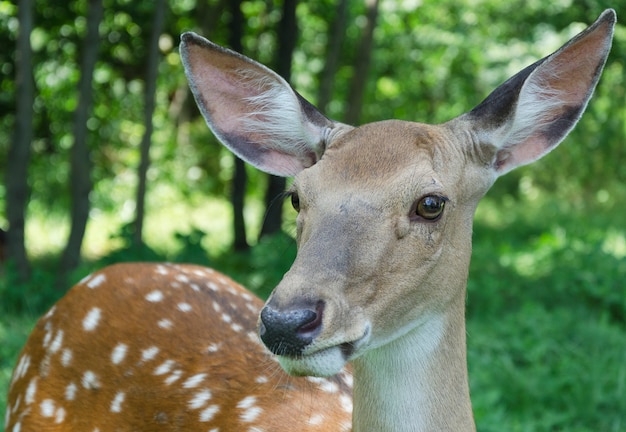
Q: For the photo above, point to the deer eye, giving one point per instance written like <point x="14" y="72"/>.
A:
<point x="295" y="201"/>
<point x="429" y="208"/>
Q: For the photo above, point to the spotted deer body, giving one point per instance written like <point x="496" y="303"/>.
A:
<point x="143" y="347"/>
<point x="384" y="230"/>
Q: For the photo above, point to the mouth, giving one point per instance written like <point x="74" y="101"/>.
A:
<point x="324" y="362"/>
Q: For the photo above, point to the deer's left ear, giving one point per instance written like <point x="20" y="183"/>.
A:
<point x="253" y="111"/>
<point x="533" y="111"/>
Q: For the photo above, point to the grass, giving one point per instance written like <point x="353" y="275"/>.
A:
<point x="547" y="316"/>
<point x="546" y="307"/>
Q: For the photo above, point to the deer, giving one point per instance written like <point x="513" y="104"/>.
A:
<point x="366" y="330"/>
<point x="163" y="347"/>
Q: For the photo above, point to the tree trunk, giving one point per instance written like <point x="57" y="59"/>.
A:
<point x="149" y="104"/>
<point x="240" y="179"/>
<point x="17" y="190"/>
<point x="80" y="175"/>
<point x="333" y="54"/>
<point x="361" y="67"/>
<point x="287" y="35"/>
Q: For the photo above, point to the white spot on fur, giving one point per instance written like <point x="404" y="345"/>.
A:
<point x="226" y="318"/>
<point x="215" y="347"/>
<point x="59" y="416"/>
<point x="252" y="308"/>
<point x="116" y="404"/>
<point x="262" y="379"/>
<point x="208" y="413"/>
<point x="194" y="380"/>
<point x="12" y="410"/>
<point x="346" y="403"/>
<point x="96" y="281"/>
<point x="182" y="278"/>
<point x="164" y="367"/>
<point x="90" y="381"/>
<point x="50" y="312"/>
<point x="251" y="411"/>
<point x="47" y="407"/>
<point x="48" y="336"/>
<point x="30" y="391"/>
<point x="17" y="427"/>
<point x="161" y="270"/>
<point x="119" y="353"/>
<point x="183" y="307"/>
<point x="236" y="327"/>
<point x="149" y="353"/>
<point x="91" y="320"/>
<point x="200" y="399"/>
<point x="347" y="379"/>
<point x="22" y="367"/>
<point x="85" y="279"/>
<point x="57" y="342"/>
<point x="70" y="391"/>
<point x="66" y="357"/>
<point x="154" y="296"/>
<point x="202" y="273"/>
<point x="324" y="384"/>
<point x="165" y="324"/>
<point x="175" y="376"/>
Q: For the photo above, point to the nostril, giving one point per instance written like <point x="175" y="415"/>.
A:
<point x="316" y="322"/>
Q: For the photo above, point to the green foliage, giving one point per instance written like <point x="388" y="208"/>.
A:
<point x="432" y="60"/>
<point x="263" y="267"/>
<point x="544" y="367"/>
<point x="546" y="315"/>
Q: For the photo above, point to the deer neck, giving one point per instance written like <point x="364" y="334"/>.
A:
<point x="417" y="382"/>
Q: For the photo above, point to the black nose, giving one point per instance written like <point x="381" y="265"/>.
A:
<point x="288" y="333"/>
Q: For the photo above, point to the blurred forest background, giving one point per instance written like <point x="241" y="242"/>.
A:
<point x="105" y="158"/>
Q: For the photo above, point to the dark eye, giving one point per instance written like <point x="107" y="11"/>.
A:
<point x="295" y="201"/>
<point x="429" y="207"/>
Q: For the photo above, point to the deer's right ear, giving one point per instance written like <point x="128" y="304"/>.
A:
<point x="252" y="110"/>
<point x="532" y="112"/>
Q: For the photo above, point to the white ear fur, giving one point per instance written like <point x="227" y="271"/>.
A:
<point x="276" y="110"/>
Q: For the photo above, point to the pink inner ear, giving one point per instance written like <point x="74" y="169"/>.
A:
<point x="577" y="67"/>
<point x="283" y="165"/>
<point x="215" y="78"/>
<point x="530" y="150"/>
<point x="252" y="110"/>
